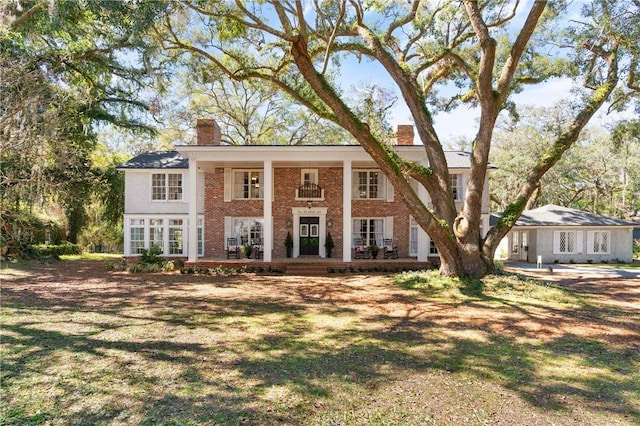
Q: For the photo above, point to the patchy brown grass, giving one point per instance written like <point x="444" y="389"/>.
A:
<point x="82" y="345"/>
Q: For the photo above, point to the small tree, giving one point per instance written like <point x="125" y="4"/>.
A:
<point x="288" y="243"/>
<point x="328" y="244"/>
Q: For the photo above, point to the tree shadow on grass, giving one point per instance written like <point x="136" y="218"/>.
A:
<point x="278" y="346"/>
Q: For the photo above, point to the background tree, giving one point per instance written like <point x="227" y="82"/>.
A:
<point x="594" y="175"/>
<point x="487" y="50"/>
<point x="65" y="67"/>
<point x="248" y="113"/>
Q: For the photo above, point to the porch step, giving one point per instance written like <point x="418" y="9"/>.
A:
<point x="307" y="269"/>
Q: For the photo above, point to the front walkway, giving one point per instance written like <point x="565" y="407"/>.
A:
<point x="587" y="271"/>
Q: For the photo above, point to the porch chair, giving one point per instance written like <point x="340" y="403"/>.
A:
<point x="233" y="248"/>
<point x="360" y="250"/>
<point x="389" y="250"/>
<point x="258" y="248"/>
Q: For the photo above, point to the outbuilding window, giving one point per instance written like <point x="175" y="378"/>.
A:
<point x="567" y="242"/>
<point x="598" y="242"/>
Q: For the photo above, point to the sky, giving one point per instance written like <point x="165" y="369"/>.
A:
<point x="462" y="122"/>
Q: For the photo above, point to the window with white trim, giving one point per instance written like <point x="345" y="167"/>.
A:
<point x="166" y="186"/>
<point x="136" y="236"/>
<point x="565" y="242"/>
<point x="200" y="237"/>
<point x="413" y="237"/>
<point x="598" y="242"/>
<point x="248" y="184"/>
<point x="176" y="236"/>
<point x="371" y="230"/>
<point x="456" y="186"/>
<point x="170" y="234"/>
<point x="156" y="233"/>
<point x="368" y="184"/>
<point x="309" y="176"/>
<point x="433" y="250"/>
<point x="247" y="229"/>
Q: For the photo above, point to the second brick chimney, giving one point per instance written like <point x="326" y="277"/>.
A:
<point x="405" y="134"/>
<point x="208" y="132"/>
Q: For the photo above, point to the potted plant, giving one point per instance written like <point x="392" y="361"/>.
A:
<point x="247" y="250"/>
<point x="288" y="243"/>
<point x="328" y="244"/>
<point x="374" y="249"/>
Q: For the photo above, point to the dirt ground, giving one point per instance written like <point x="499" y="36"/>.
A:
<point x="613" y="322"/>
<point x="62" y="280"/>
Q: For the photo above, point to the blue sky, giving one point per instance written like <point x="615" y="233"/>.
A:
<point x="462" y="122"/>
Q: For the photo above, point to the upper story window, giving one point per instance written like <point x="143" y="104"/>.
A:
<point x="247" y="184"/>
<point x="368" y="184"/>
<point x="166" y="186"/>
<point x="309" y="176"/>
<point x="456" y="186"/>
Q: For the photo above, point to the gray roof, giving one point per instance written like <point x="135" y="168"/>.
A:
<point x="157" y="160"/>
<point x="552" y="215"/>
<point x="175" y="160"/>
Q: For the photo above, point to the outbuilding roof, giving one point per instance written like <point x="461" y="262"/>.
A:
<point x="553" y="215"/>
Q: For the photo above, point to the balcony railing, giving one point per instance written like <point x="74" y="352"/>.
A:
<point x="309" y="191"/>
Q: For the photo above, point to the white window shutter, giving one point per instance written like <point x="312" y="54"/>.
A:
<point x="556" y="242"/>
<point x="590" y="236"/>
<point x="355" y="186"/>
<point x="228" y="229"/>
<point x="227" y="184"/>
<point x="388" y="227"/>
<point x="389" y="190"/>
<point x="580" y="241"/>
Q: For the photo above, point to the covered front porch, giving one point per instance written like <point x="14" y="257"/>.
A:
<point x="255" y="195"/>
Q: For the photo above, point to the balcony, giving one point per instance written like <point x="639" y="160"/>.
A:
<point x="309" y="191"/>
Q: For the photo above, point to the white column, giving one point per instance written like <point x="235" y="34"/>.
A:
<point x="423" y="238"/>
<point x="192" y="236"/>
<point x="267" y="230"/>
<point x="346" y="211"/>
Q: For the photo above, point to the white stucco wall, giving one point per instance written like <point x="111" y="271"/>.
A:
<point x="137" y="198"/>
<point x="620" y="246"/>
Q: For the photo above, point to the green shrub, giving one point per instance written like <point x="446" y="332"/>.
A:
<point x="152" y="255"/>
<point x="43" y="251"/>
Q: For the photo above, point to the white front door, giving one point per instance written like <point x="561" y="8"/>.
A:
<point x="519" y="245"/>
<point x="524" y="245"/>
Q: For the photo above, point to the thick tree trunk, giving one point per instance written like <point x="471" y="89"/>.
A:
<point x="458" y="260"/>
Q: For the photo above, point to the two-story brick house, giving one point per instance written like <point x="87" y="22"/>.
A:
<point x="195" y="201"/>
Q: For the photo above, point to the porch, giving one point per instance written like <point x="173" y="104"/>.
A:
<point x="312" y="265"/>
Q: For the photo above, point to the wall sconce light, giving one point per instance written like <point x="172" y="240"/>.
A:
<point x="309" y="204"/>
<point x="288" y="223"/>
<point x="330" y="223"/>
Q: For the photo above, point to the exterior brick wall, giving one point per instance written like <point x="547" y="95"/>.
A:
<point x="286" y="180"/>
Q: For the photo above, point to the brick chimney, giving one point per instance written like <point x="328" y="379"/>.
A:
<point x="208" y="132"/>
<point x="405" y="134"/>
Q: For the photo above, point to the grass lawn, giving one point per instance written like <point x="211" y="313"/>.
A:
<point x="80" y="344"/>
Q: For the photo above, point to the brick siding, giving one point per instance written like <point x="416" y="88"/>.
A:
<point x="287" y="179"/>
